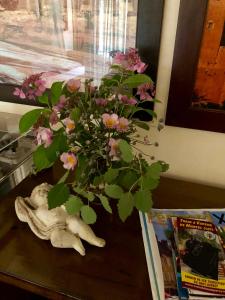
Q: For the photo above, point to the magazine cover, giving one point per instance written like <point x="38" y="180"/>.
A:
<point x="200" y="254"/>
<point x="157" y="232"/>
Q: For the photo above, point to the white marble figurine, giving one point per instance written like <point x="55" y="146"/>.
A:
<point x="56" y="225"/>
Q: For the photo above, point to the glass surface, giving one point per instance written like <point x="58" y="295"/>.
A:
<point x="15" y="152"/>
<point x="69" y="37"/>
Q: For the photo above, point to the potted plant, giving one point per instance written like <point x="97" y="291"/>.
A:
<point x="93" y="132"/>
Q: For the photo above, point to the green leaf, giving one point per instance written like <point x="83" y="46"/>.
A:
<point x="98" y="180"/>
<point x="143" y="125"/>
<point x="151" y="113"/>
<point x="64" y="177"/>
<point x="81" y="168"/>
<point x="90" y="196"/>
<point x="105" y="203"/>
<point x="58" y="195"/>
<point x="75" y="114"/>
<point x="86" y="194"/>
<point x="43" y="99"/>
<point x="73" y="205"/>
<point x="113" y="191"/>
<point x="127" y="179"/>
<point x="156" y="100"/>
<point x="80" y="191"/>
<point x="126" y="151"/>
<point x="40" y="159"/>
<point x="135" y="80"/>
<point x="148" y="111"/>
<point x="88" y="214"/>
<point x="110" y="175"/>
<point x="56" y="91"/>
<point x="148" y="183"/>
<point x="125" y="206"/>
<point x="154" y="170"/>
<point x="57" y="147"/>
<point x="29" y="119"/>
<point x="165" y="166"/>
<point x="143" y="200"/>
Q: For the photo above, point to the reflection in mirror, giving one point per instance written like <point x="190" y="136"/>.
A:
<point x="66" y="38"/>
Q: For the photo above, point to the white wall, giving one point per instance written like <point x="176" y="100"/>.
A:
<point x="192" y="154"/>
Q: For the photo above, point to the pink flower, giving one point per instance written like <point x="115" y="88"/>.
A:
<point x="110" y="121"/>
<point x="61" y="104"/>
<point x="120" y="58"/>
<point x="114" y="147"/>
<point x="69" y="160"/>
<point x="101" y="102"/>
<point x="142" y="91"/>
<point x="141" y="67"/>
<point x="73" y="85"/>
<point x="44" y="136"/>
<point x="32" y="86"/>
<point x="19" y="92"/>
<point x="132" y="101"/>
<point x="134" y="61"/>
<point x="122" y="125"/>
<point x="39" y="87"/>
<point x="53" y="119"/>
<point x="130" y="60"/>
<point x="70" y="125"/>
<point x="126" y="100"/>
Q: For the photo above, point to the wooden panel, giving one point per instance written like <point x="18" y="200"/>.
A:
<point x="210" y="76"/>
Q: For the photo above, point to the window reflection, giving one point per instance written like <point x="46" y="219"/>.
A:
<point x="69" y="37"/>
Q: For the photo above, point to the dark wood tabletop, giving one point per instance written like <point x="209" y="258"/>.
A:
<point x="117" y="272"/>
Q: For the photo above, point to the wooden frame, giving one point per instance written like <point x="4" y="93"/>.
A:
<point x="180" y="113"/>
<point x="150" y="14"/>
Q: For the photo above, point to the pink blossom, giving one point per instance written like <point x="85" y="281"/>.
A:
<point x="32" y="86"/>
<point x="123" y="125"/>
<point x="121" y="59"/>
<point x="130" y="60"/>
<point x="61" y="104"/>
<point x="53" y="119"/>
<point x="126" y="100"/>
<point x="143" y="91"/>
<point x="19" y="92"/>
<point x="69" y="160"/>
<point x="39" y="87"/>
<point x="70" y="125"/>
<point x="110" y="121"/>
<point x="101" y="102"/>
<point x="44" y="136"/>
<point x="73" y="85"/>
<point x="114" y="147"/>
<point x="141" y="67"/>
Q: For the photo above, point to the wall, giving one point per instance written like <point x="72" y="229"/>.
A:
<point x="192" y="154"/>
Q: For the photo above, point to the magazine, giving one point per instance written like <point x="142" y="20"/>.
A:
<point x="162" y="259"/>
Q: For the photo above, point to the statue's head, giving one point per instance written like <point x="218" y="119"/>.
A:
<point x="39" y="195"/>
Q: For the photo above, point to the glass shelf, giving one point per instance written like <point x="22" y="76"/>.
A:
<point x="15" y="152"/>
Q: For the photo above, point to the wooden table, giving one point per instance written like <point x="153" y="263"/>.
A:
<point x="116" y="272"/>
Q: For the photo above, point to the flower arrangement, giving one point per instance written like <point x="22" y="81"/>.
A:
<point x="93" y="132"/>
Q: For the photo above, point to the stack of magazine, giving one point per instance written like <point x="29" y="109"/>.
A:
<point x="185" y="251"/>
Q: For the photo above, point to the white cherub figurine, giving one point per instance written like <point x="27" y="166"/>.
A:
<point x="56" y="225"/>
